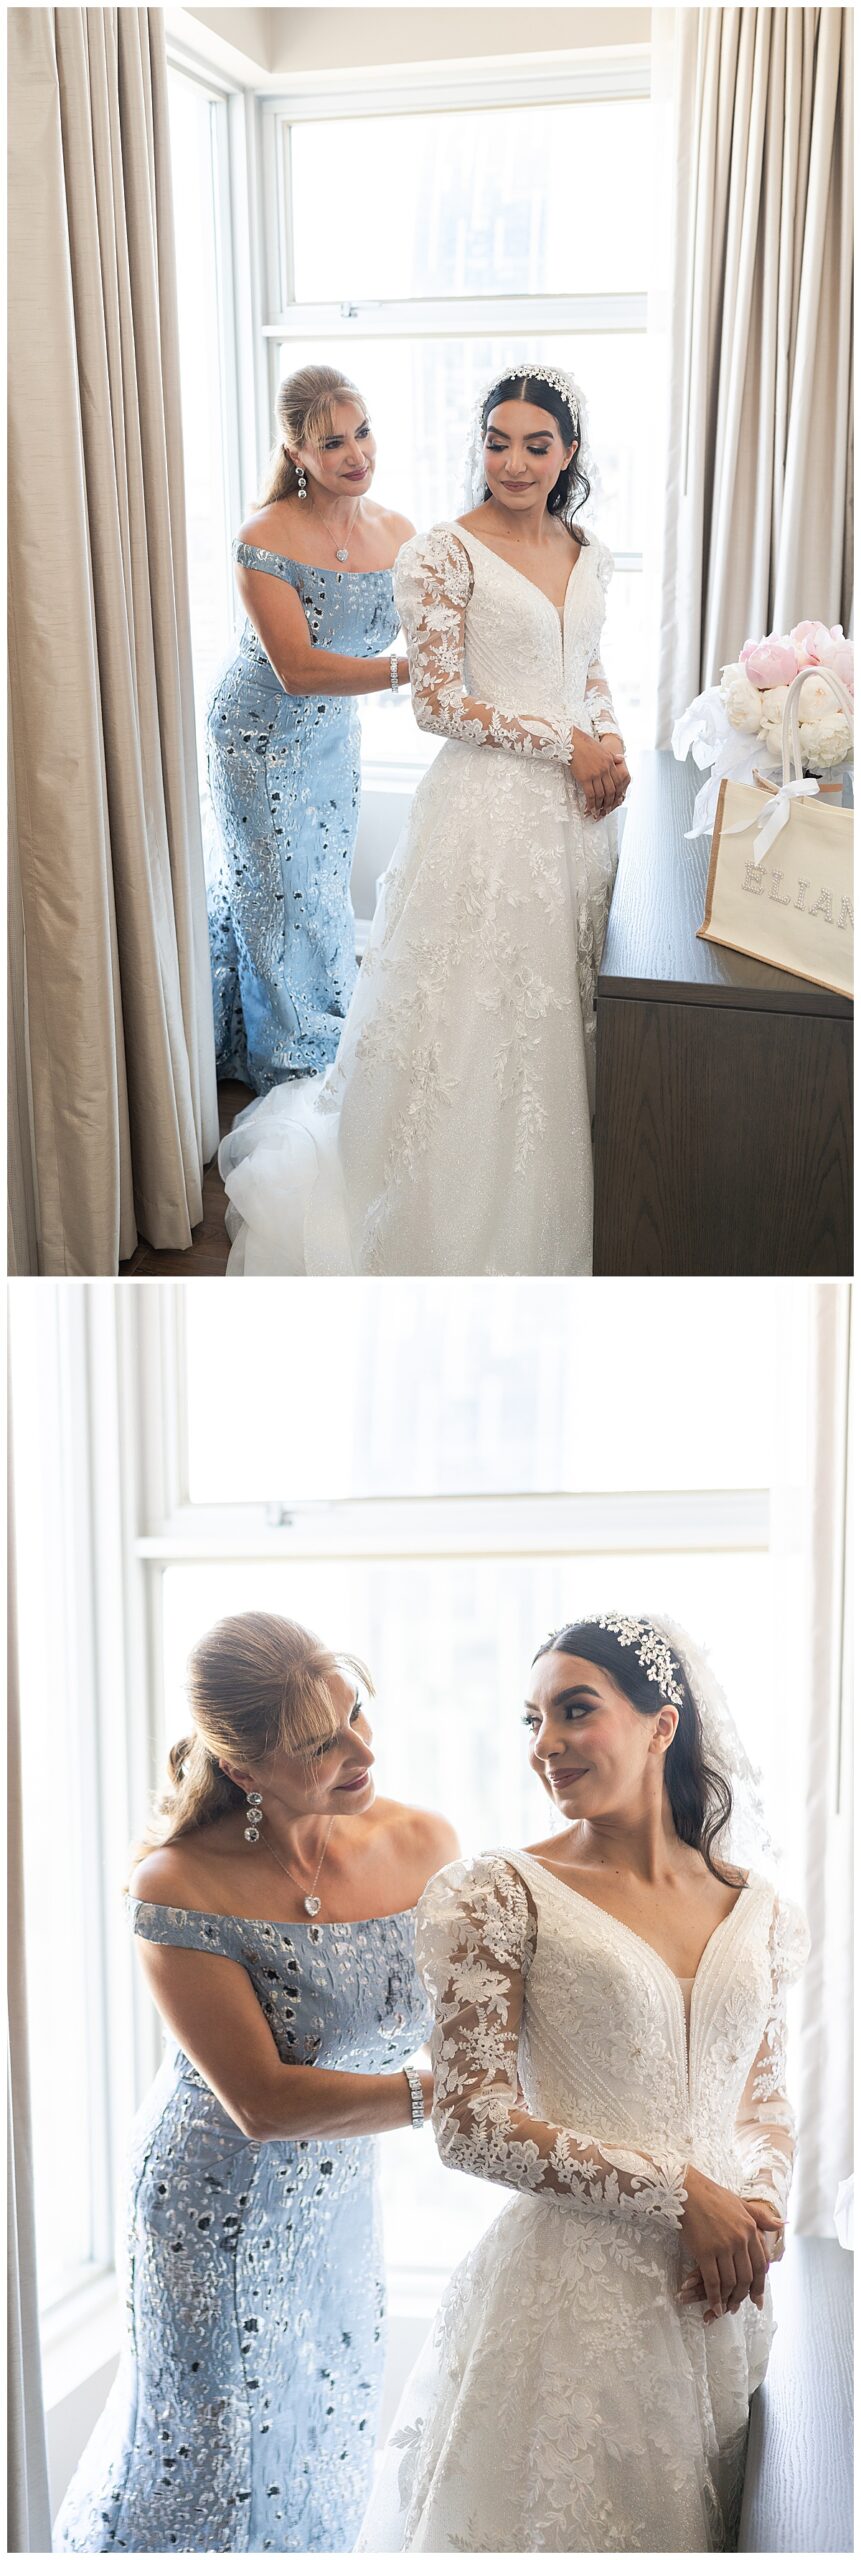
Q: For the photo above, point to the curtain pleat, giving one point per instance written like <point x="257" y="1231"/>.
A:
<point x="756" y="528"/>
<point x="121" y="1045"/>
<point x="29" y="2512"/>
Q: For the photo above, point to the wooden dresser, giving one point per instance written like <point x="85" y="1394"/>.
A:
<point x="723" y="1126"/>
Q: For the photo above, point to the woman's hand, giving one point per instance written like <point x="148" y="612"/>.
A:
<point x="403" y="671"/>
<point x="593" y="765"/>
<point x="426" y="2078"/>
<point x="726" y="2235"/>
<point x="620" y="770"/>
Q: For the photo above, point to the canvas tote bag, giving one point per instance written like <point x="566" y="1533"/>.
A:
<point x="780" y="876"/>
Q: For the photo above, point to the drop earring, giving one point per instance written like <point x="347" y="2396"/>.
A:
<point x="303" y="484"/>
<point x="255" y="1815"/>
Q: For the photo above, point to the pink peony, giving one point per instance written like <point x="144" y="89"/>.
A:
<point x="826" y="650"/>
<point x="773" y="662"/>
<point x="843" y="663"/>
<point x="744" y="653"/>
<point x="819" y="644"/>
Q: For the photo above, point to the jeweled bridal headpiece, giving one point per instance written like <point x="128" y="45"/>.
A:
<point x="667" y="1650"/>
<point x="520" y="369"/>
<point x="652" y="1652"/>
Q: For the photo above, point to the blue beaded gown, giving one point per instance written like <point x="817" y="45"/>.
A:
<point x="243" y="2416"/>
<point x="284" y="783"/>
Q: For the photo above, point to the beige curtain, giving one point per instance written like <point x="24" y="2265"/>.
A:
<point x="757" y="524"/>
<point x="118" y="1007"/>
<point x="29" y="2516"/>
<point x="825" y="1995"/>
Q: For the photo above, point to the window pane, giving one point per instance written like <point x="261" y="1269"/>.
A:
<point x="494" y="200"/>
<point x="351" y="1390"/>
<point x="449" y="1646"/>
<point x="202" y="358"/>
<point x="420" y="392"/>
<point x="58" y="1822"/>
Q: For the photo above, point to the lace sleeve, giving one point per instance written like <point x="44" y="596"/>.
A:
<point x="433" y="583"/>
<point x="598" y="696"/>
<point x="765" y="2125"/>
<point x="475" y="1943"/>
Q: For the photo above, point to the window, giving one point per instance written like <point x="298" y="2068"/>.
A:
<point x="468" y="1467"/>
<point x="454" y="241"/>
<point x="433" y="1478"/>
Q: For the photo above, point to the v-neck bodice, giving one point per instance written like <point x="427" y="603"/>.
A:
<point x="611" y="2036"/>
<point x="612" y="1916"/>
<point x="520" y="646"/>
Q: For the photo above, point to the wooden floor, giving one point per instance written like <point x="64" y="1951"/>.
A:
<point x="207" y="1253"/>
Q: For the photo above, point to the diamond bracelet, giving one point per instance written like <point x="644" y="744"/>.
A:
<point x="394" y="678"/>
<point x="417" y="2096"/>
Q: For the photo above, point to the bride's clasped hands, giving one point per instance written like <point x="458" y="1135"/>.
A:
<point x="727" y="2236"/>
<point x="599" y="768"/>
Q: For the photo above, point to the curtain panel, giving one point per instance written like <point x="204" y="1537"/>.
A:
<point x="118" y="1008"/>
<point x="757" y="508"/>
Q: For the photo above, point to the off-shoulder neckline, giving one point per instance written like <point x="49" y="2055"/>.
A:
<point x="262" y="552"/>
<point x="185" y="1911"/>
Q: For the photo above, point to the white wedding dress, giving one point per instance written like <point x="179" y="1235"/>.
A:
<point x="453" y="1132"/>
<point x="565" y="2400"/>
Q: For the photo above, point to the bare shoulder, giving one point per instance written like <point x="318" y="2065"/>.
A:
<point x="167" y="1875"/>
<point x="398" y="526"/>
<point x="265" y="531"/>
<point x="542" y="1848"/>
<point x="419" y="1830"/>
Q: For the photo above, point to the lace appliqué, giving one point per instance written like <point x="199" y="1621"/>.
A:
<point x="475" y="1945"/>
<point x="765" y="2126"/>
<point x="433" y="583"/>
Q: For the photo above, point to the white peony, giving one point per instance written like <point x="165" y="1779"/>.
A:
<point x="825" y="742"/>
<point x="741" y="700"/>
<point x="816" y="700"/>
<point x="773" y="705"/>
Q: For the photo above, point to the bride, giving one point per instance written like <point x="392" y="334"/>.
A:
<point x="453" y="1132"/>
<point x="609" y="2043"/>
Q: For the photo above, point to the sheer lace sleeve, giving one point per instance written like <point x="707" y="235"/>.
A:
<point x="475" y="1943"/>
<point x="433" y="583"/>
<point x="765" y="2125"/>
<point x="598" y="696"/>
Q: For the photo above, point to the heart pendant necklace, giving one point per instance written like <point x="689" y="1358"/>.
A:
<point x="339" y="554"/>
<point x="310" y="1901"/>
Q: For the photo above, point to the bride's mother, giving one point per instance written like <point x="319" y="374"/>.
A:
<point x="274" y="1917"/>
<point x="313" y="569"/>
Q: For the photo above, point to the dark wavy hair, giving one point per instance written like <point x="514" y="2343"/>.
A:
<point x="700" y="1797"/>
<point x="570" y="492"/>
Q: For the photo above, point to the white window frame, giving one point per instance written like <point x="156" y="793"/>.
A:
<point x="615" y="74"/>
<point x="124" y="1422"/>
<point x="173" y="1529"/>
<point x="246" y="406"/>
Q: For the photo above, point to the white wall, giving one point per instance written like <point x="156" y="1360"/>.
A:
<point x="275" y="43"/>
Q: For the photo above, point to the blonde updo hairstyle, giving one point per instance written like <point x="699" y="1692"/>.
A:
<point x="303" y="412"/>
<point x="255" y="1684"/>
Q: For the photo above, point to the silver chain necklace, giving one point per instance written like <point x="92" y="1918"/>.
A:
<point x="310" y="1901"/>
<point x="339" y="555"/>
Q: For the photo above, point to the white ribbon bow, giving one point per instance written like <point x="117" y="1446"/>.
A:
<point x="769" y="820"/>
